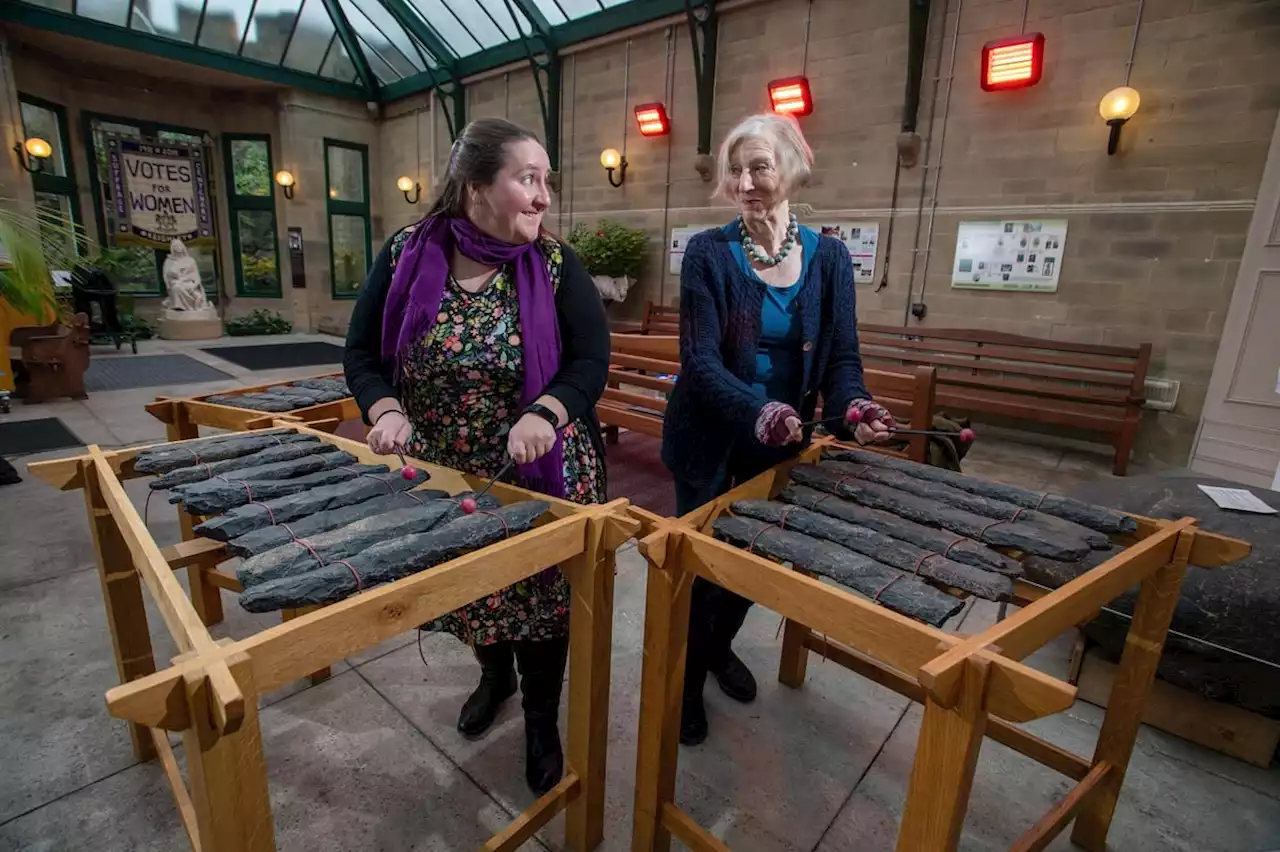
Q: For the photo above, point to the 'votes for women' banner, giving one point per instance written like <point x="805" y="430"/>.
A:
<point x="161" y="193"/>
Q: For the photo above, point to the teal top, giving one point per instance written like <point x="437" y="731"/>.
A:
<point x="779" y="359"/>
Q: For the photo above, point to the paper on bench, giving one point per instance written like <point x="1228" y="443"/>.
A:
<point x="1236" y="499"/>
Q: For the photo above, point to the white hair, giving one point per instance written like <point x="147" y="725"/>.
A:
<point x="781" y="133"/>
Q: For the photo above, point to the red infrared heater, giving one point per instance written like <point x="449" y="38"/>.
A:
<point x="653" y="120"/>
<point x="1012" y="63"/>
<point x="791" y="96"/>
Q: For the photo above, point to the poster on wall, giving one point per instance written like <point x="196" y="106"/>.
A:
<point x="160" y="192"/>
<point x="862" y="239"/>
<point x="1019" y="254"/>
<point x="679" y="241"/>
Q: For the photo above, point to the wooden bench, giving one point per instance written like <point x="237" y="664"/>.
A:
<point x="1080" y="385"/>
<point x="651" y="363"/>
<point x="658" y="319"/>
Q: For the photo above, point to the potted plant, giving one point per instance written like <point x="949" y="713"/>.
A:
<point x="613" y="255"/>
<point x="31" y="244"/>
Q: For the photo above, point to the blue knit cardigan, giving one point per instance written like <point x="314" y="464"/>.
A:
<point x="712" y="410"/>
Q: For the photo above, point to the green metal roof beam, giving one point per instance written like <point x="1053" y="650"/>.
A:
<point x="60" y="22"/>
<point x="352" y="45"/>
<point x="540" y="23"/>
<point x="417" y="29"/>
<point x="450" y="90"/>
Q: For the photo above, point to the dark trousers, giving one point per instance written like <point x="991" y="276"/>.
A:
<point x="715" y="613"/>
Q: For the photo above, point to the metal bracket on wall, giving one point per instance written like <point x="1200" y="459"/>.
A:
<point x="544" y="62"/>
<point x="704" y="28"/>
<point x="445" y="81"/>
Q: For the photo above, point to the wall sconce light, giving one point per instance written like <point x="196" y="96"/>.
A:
<point x="285" y="180"/>
<point x="333" y="192"/>
<point x="33" y="153"/>
<point x="1012" y="63"/>
<point x="611" y="159"/>
<point x="1117" y="107"/>
<point x="653" y="120"/>
<point x="406" y="184"/>
<point x="791" y="96"/>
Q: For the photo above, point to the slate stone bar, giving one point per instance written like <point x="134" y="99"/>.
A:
<point x="260" y="541"/>
<point x="233" y="494"/>
<point x="271" y="455"/>
<point x="282" y="510"/>
<point x="256" y="402"/>
<point x="392" y="560"/>
<point x="225" y="483"/>
<point x="164" y="458"/>
<point x="897" y="590"/>
<point x="976" y="503"/>
<point x="896" y="554"/>
<point x="1027" y="538"/>
<point x="957" y="547"/>
<point x="1092" y="516"/>
<point x="298" y="557"/>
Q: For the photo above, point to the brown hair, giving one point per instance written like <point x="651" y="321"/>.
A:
<point x="475" y="160"/>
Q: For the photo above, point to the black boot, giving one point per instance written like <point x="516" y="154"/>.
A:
<point x="541" y="676"/>
<point x="702" y="610"/>
<point x="497" y="684"/>
<point x="733" y="676"/>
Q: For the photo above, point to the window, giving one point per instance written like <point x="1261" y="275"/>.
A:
<point x="138" y="269"/>
<point x="251" y="206"/>
<point x="346" y="175"/>
<point x="55" y="184"/>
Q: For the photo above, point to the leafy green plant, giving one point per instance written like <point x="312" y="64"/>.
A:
<point x="258" y="321"/>
<point x="610" y="248"/>
<point x="31" y="244"/>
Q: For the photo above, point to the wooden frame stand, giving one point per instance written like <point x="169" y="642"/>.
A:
<point x="971" y="687"/>
<point x="210" y="691"/>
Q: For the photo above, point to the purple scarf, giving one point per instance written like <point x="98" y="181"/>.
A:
<point x="413" y="301"/>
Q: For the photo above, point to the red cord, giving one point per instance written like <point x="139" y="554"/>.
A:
<point x="782" y="522"/>
<point x="506" y="530"/>
<point x="354" y="573"/>
<point x="885" y="587"/>
<point x="947" y="553"/>
<point x="751" y="548"/>
<point x="192" y="453"/>
<point x="293" y="535"/>
<point x="1044" y="495"/>
<point x="302" y="542"/>
<point x="983" y="531"/>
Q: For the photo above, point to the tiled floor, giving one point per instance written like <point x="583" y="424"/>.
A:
<point x="370" y="759"/>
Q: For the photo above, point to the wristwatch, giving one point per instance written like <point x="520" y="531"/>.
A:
<point x="539" y="410"/>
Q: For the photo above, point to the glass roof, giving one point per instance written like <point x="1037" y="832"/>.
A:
<point x="395" y="39"/>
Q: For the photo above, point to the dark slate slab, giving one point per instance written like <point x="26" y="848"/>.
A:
<point x="1236" y="607"/>
<point x="894" y="589"/>
<point x="392" y="560"/>
<point x="166" y="457"/>
<point x="233" y="494"/>
<point x="271" y="455"/>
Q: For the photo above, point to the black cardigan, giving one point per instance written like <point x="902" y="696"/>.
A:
<point x="584" y="342"/>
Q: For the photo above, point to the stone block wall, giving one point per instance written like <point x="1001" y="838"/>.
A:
<point x="1155" y="232"/>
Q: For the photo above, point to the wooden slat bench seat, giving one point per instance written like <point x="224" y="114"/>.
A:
<point x="1078" y="385"/>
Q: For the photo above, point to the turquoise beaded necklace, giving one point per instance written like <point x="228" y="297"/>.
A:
<point x="757" y="254"/>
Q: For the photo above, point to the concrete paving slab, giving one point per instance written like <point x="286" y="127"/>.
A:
<point x="1166" y="804"/>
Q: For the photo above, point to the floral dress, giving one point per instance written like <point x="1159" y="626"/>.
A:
<point x="461" y="389"/>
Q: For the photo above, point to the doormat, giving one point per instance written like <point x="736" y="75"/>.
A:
<point x="276" y="356"/>
<point x="23" y="437"/>
<point x="148" y="371"/>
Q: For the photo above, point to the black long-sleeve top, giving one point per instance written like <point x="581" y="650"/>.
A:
<point x="584" y="341"/>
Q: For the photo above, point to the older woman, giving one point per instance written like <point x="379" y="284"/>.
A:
<point x="766" y="326"/>
<point x="477" y="336"/>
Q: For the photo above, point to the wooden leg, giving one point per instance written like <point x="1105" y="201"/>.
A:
<point x="122" y="594"/>
<point x="591" y="577"/>
<point x="611" y="434"/>
<point x="1124" y="447"/>
<point x="795" y="656"/>
<point x="666" y="631"/>
<point x="319" y="675"/>
<point x="942" y="774"/>
<point x="1142" y="648"/>
<point x="228" y="774"/>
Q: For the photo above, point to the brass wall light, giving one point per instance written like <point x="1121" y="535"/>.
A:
<point x="405" y="183"/>
<point x="1117" y="107"/>
<point x="285" y="180"/>
<point x="33" y="153"/>
<point x="611" y="160"/>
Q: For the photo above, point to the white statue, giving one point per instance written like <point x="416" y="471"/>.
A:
<point x="182" y="279"/>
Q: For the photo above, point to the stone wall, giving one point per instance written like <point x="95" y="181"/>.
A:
<point x="1155" y="232"/>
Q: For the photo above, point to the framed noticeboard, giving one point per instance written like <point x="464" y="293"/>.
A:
<point x="1018" y="254"/>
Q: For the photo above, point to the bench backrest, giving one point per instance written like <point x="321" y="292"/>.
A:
<point x="660" y="319"/>
<point x="662" y="347"/>
<point x="1015" y="364"/>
